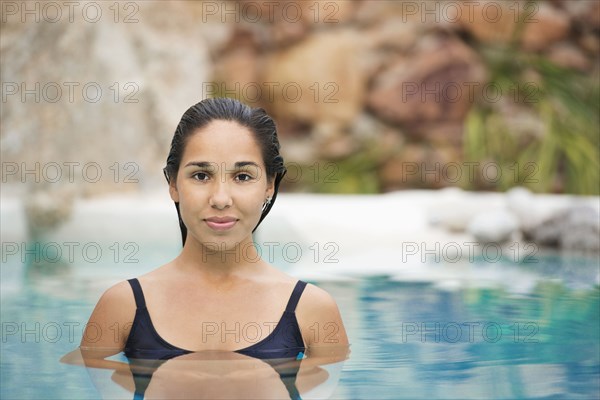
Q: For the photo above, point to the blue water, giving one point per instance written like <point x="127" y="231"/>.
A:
<point x="409" y="340"/>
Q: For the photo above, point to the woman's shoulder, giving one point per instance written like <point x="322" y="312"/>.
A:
<point x="312" y="295"/>
<point x="314" y="298"/>
<point x="115" y="310"/>
<point x="119" y="294"/>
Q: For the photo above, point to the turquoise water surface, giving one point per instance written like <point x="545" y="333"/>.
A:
<point x="409" y="339"/>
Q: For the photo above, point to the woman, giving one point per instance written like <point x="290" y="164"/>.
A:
<point x="223" y="171"/>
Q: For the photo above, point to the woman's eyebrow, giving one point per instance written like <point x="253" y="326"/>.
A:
<point x="206" y="164"/>
<point x="201" y="164"/>
<point x="241" y="164"/>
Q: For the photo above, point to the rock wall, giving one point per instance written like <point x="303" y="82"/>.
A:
<point x="401" y="76"/>
<point x="97" y="86"/>
<point x="368" y="85"/>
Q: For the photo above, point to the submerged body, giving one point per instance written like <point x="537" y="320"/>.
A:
<point x="283" y="344"/>
<point x="284" y="341"/>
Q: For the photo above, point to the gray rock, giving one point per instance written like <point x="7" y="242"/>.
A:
<point x="576" y="228"/>
<point x="46" y="210"/>
<point x="581" y="229"/>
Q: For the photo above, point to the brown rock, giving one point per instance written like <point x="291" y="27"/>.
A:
<point x="488" y="21"/>
<point x="427" y="15"/>
<point x="592" y="17"/>
<point x="419" y="166"/>
<point x="236" y="74"/>
<point x="318" y="81"/>
<point x="289" y="21"/>
<point x="585" y="12"/>
<point x="240" y="36"/>
<point x="591" y="44"/>
<point x="568" y="56"/>
<point x="372" y="12"/>
<point x="546" y="26"/>
<point x="393" y="34"/>
<point x="498" y="22"/>
<point x="327" y="14"/>
<point x="438" y="83"/>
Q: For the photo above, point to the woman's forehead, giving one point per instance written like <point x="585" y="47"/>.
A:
<point x="222" y="141"/>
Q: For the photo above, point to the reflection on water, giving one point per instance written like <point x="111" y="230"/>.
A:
<point x="409" y="340"/>
<point x="216" y="374"/>
<point x="475" y="343"/>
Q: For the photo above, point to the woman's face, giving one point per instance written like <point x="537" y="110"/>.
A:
<point x="221" y="184"/>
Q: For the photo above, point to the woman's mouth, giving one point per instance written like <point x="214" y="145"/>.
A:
<point x="221" y="223"/>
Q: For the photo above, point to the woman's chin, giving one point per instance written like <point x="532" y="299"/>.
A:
<point x="226" y="243"/>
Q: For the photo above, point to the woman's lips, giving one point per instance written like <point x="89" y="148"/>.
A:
<point x="221" y="224"/>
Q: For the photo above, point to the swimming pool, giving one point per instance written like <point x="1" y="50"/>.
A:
<point x="410" y="339"/>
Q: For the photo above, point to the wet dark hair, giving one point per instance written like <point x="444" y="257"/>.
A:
<point x="256" y="120"/>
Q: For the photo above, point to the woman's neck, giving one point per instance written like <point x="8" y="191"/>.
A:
<point x="219" y="261"/>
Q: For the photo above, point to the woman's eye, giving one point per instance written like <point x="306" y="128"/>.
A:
<point x="200" y="176"/>
<point x="244" y="177"/>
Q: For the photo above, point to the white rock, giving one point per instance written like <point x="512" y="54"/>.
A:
<point x="454" y="208"/>
<point x="520" y="202"/>
<point x="495" y="226"/>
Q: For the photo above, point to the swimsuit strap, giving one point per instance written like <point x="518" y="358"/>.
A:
<point x="140" y="302"/>
<point x="293" y="302"/>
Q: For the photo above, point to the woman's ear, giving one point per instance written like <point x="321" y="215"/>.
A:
<point x="270" y="188"/>
<point x="173" y="191"/>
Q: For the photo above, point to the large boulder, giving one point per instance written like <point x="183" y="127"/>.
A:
<point x="318" y="81"/>
<point x="114" y="92"/>
<point x="432" y="85"/>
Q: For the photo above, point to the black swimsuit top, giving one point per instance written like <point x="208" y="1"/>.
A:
<point x="282" y="344"/>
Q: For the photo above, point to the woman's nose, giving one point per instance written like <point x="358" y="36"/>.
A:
<point x="220" y="197"/>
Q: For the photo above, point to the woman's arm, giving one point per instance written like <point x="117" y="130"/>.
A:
<point x="321" y="326"/>
<point x="94" y="360"/>
<point x="107" y="330"/>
